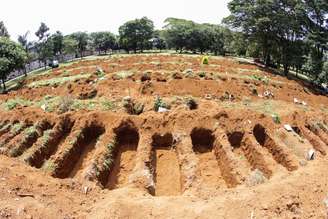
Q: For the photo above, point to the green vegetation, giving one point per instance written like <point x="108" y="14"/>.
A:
<point x="12" y="57"/>
<point x="159" y="102"/>
<point x="57" y="81"/>
<point x="123" y="74"/>
<point x="13" y="103"/>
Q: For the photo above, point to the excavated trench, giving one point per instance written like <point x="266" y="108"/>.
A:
<point x="165" y="166"/>
<point x="208" y="170"/>
<point x="44" y="148"/>
<point x="127" y="139"/>
<point x="72" y="160"/>
<point x="277" y="152"/>
<point x="30" y="140"/>
<point x="240" y="151"/>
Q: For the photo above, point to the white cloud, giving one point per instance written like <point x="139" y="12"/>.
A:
<point x="95" y="15"/>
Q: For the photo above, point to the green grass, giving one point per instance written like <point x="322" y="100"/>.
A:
<point x="123" y="74"/>
<point x="13" y="103"/>
<point x="57" y="81"/>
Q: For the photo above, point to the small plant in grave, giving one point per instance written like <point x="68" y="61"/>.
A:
<point x="132" y="107"/>
<point x="99" y="72"/>
<point x="110" y="151"/>
<point x="65" y="104"/>
<point x="276" y="118"/>
<point x="191" y="103"/>
<point x="160" y="103"/>
<point x="202" y="74"/>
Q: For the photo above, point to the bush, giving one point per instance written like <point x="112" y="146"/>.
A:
<point x="132" y="107"/>
<point x="160" y="103"/>
<point x="65" y="104"/>
<point x="191" y="103"/>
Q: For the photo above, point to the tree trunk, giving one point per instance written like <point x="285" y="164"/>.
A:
<point x="285" y="69"/>
<point x="4" y="86"/>
<point x="25" y="71"/>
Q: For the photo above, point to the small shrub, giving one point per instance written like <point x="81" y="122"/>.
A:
<point x="160" y="103"/>
<point x="99" y="72"/>
<point x="65" y="104"/>
<point x="132" y="107"/>
<point x="146" y="76"/>
<point x="276" y="118"/>
<point x="191" y="103"/>
<point x="202" y="74"/>
<point x="107" y="105"/>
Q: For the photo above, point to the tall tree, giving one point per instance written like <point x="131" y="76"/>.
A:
<point x="23" y="41"/>
<point x="136" y="34"/>
<point x="45" y="45"/>
<point x="70" y="45"/>
<point x="58" y="46"/>
<point x="103" y="41"/>
<point x="12" y="57"/>
<point x="82" y="41"/>
<point x="3" y="30"/>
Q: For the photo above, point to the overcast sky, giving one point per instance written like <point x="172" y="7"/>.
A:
<point x="69" y="16"/>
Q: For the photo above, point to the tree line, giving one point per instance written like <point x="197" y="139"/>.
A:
<point x="288" y="35"/>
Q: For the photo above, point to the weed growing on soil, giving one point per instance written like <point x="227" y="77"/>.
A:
<point x="5" y="127"/>
<point x="65" y="104"/>
<point x="202" y="74"/>
<point x="57" y="81"/>
<point x="16" y="128"/>
<point x="132" y="107"/>
<point x="110" y="152"/>
<point x="191" y="103"/>
<point x="160" y="103"/>
<point x="276" y="118"/>
<point x="13" y="103"/>
<point x="49" y="166"/>
<point x="107" y="105"/>
<point x="264" y="79"/>
<point x="123" y="74"/>
<point x="99" y="72"/>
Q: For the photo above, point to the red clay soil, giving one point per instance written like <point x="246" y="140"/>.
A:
<point x="228" y="158"/>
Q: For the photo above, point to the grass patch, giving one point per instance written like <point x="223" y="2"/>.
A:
<point x="57" y="81"/>
<point x="13" y="103"/>
<point x="123" y="74"/>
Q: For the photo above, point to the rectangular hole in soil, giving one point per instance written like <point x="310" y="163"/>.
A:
<point x="208" y="168"/>
<point x="165" y="164"/>
<point x="127" y="139"/>
<point x="235" y="140"/>
<point x="87" y="150"/>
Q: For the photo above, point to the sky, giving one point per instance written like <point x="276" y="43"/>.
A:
<point x="69" y="16"/>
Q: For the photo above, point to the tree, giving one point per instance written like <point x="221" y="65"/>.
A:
<point x="70" y="45"/>
<point x="136" y="34"/>
<point x="159" y="40"/>
<point x="82" y="41"/>
<point x="23" y="41"/>
<point x="3" y="30"/>
<point x="103" y="41"/>
<point x="41" y="33"/>
<point x="45" y="44"/>
<point x="177" y="33"/>
<point x="58" y="46"/>
<point x="12" y="57"/>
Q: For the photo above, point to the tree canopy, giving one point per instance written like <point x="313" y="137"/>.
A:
<point x="12" y="57"/>
<point x="136" y="34"/>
